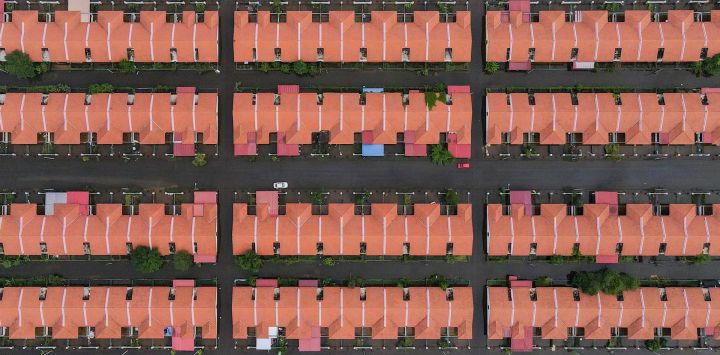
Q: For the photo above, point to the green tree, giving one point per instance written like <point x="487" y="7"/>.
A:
<point x="199" y="160"/>
<point x="146" y="260"/>
<point x="328" y="261"/>
<point x="492" y="67"/>
<point x="609" y="282"/>
<point x="440" y="155"/>
<point x="431" y="99"/>
<point x="711" y="66"/>
<point x="249" y="261"/>
<point x="300" y="68"/>
<point x="451" y="197"/>
<point x="18" y="64"/>
<point x="183" y="260"/>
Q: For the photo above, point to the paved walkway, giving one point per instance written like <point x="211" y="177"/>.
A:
<point x="228" y="174"/>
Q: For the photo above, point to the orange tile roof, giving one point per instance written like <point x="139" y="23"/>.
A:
<point x="599" y="230"/>
<point x="299" y="115"/>
<point x="341" y="311"/>
<point x="109" y="37"/>
<point x="596" y="115"/>
<point x="108" y="230"/>
<point x="341" y="231"/>
<point x="341" y="38"/>
<point x="109" y="115"/>
<point x="596" y="39"/>
<point x="108" y="310"/>
<point x="641" y="311"/>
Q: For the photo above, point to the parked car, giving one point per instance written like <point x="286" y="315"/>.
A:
<point x="280" y="185"/>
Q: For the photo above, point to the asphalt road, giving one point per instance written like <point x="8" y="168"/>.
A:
<point x="227" y="174"/>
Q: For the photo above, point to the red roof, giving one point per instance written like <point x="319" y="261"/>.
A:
<point x="183" y="150"/>
<point x="185" y="89"/>
<point x="460" y="150"/>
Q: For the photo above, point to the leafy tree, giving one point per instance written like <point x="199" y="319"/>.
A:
<point x="431" y="98"/>
<point x="440" y="155"/>
<point x="127" y="66"/>
<point x="199" y="160"/>
<point x="199" y="7"/>
<point x="451" y="197"/>
<point x="328" y="261"/>
<point x="249" y="261"/>
<point x="146" y="260"/>
<point x="18" y="64"/>
<point x="317" y="197"/>
<point x="492" y="67"/>
<point x="300" y="68"/>
<point x="285" y="68"/>
<point x="101" y="88"/>
<point x="183" y="260"/>
<point x="609" y="282"/>
<point x="711" y="66"/>
<point x="264" y="67"/>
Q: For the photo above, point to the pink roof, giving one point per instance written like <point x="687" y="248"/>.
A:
<point x="606" y="259"/>
<point x="205" y="197"/>
<point x="266" y="283"/>
<point x="183" y="283"/>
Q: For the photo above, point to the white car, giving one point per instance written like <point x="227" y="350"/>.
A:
<point x="280" y="185"/>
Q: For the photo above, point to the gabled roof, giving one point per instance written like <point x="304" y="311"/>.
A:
<point x="638" y="115"/>
<point x="109" y="115"/>
<point x="599" y="230"/>
<point x="108" y="231"/>
<point x="596" y="39"/>
<point x="341" y="231"/>
<point x="640" y="311"/>
<point x="109" y="37"/>
<point x="341" y="310"/>
<point x="299" y="115"/>
<point x="108" y="310"/>
<point x="341" y="38"/>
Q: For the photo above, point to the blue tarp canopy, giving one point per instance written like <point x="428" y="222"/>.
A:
<point x="373" y="90"/>
<point x="373" y="150"/>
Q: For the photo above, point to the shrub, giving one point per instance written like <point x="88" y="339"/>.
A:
<point x="249" y="261"/>
<point x="146" y="260"/>
<point x="656" y="344"/>
<point x="183" y="260"/>
<point x="440" y="155"/>
<point x="199" y="160"/>
<point x="104" y="88"/>
<point x="313" y="69"/>
<point x="18" y="64"/>
<point x="328" y="261"/>
<point x="300" y="68"/>
<point x="285" y="68"/>
<point x="491" y="67"/>
<point x="200" y="7"/>
<point x="543" y="281"/>
<point x="264" y="67"/>
<point x="127" y="66"/>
